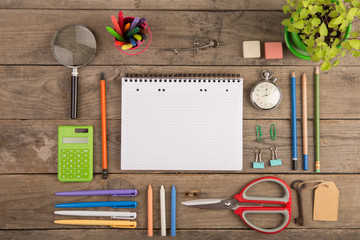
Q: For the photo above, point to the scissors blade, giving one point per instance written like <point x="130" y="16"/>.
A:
<point x="213" y="203"/>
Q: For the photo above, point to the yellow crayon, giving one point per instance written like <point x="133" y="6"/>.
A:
<point x="137" y="37"/>
<point x="126" y="46"/>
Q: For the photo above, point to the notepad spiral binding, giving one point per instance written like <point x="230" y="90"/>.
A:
<point x="182" y="77"/>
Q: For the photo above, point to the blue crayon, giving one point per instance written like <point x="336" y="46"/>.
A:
<point x="173" y="211"/>
<point x="132" y="41"/>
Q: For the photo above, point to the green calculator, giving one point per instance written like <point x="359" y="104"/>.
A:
<point x="75" y="153"/>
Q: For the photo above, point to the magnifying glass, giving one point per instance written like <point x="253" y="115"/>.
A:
<point x="74" y="46"/>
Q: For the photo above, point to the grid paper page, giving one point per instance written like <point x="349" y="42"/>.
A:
<point x="181" y="124"/>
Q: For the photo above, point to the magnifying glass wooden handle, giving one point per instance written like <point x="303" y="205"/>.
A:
<point x="74" y="94"/>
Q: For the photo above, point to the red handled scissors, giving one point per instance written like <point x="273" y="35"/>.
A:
<point x="244" y="204"/>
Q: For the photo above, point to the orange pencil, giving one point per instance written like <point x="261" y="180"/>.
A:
<point x="150" y="211"/>
<point x="103" y="126"/>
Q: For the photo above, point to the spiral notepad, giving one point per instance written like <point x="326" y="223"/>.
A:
<point x="181" y="123"/>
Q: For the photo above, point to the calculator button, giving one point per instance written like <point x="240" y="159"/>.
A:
<point x="86" y="173"/>
<point x="78" y="155"/>
<point x="63" y="176"/>
<point x="86" y="160"/>
<point x="63" y="150"/>
<point x="71" y="176"/>
<point x="86" y="150"/>
<point x="71" y="150"/>
<point x="86" y="165"/>
<point x="71" y="160"/>
<point x="78" y="165"/>
<point x="63" y="155"/>
<point x="71" y="155"/>
<point x="78" y="171"/>
<point x="71" y="171"/>
<point x="78" y="150"/>
<point x="86" y="155"/>
<point x="63" y="171"/>
<point x="78" y="160"/>
<point x="63" y="165"/>
<point x="63" y="160"/>
<point x="78" y="176"/>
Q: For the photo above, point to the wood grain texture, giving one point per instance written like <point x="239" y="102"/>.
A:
<point x="31" y="196"/>
<point x="43" y="92"/>
<point x="143" y="4"/>
<point x="231" y="28"/>
<point x="105" y="234"/>
<point x="31" y="146"/>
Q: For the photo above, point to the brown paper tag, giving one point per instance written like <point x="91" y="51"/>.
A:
<point x="326" y="202"/>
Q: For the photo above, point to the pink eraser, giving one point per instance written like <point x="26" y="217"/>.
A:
<point x="273" y="50"/>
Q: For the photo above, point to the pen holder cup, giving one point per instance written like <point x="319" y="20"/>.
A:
<point x="142" y="26"/>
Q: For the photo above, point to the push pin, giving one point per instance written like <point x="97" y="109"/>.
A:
<point x="275" y="161"/>
<point x="258" y="163"/>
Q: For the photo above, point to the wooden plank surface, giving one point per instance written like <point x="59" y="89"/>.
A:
<point x="151" y="5"/>
<point x="231" y="28"/>
<point x="37" y="141"/>
<point x="43" y="92"/>
<point x="35" y="99"/>
<point x="32" y="195"/>
<point x="105" y="234"/>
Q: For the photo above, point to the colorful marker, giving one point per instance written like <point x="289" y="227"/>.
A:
<point x="115" y="34"/>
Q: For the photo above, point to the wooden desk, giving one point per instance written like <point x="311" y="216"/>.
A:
<point x="35" y="99"/>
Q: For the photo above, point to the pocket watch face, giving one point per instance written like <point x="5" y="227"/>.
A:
<point x="266" y="95"/>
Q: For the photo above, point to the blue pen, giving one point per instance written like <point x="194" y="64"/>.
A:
<point x="173" y="211"/>
<point x="293" y="120"/>
<point x="113" y="204"/>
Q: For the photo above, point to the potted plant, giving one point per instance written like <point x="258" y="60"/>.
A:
<point x="320" y="30"/>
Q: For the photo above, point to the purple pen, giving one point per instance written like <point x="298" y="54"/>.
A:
<point x="113" y="193"/>
<point x="133" y="24"/>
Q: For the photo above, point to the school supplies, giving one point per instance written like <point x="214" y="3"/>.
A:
<point x="181" y="123"/>
<point x="125" y="28"/>
<point x="293" y="120"/>
<point x="111" y="214"/>
<point x="74" y="46"/>
<point x="251" y="49"/>
<point x="273" y="50"/>
<point x="113" y="204"/>
<point x="326" y="202"/>
<point x="275" y="160"/>
<point x="258" y="163"/>
<point x="298" y="185"/>
<point x="244" y="204"/>
<point x="75" y="153"/>
<point x="304" y="122"/>
<point x="192" y="194"/>
<point x="272" y="132"/>
<point x="113" y="193"/>
<point x="317" y="120"/>
<point x="103" y="126"/>
<point x="115" y="34"/>
<point x="162" y="211"/>
<point x="111" y="223"/>
<point x="150" y="211"/>
<point x="258" y="133"/>
<point x="173" y="211"/>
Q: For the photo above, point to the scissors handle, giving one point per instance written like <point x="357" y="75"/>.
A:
<point x="285" y="200"/>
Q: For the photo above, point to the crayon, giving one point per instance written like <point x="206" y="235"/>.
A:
<point x="137" y="37"/>
<point x="115" y="34"/>
<point x="121" y="21"/>
<point x="126" y="28"/>
<point x="126" y="46"/>
<point x="116" y="25"/>
<point x="132" y="40"/>
<point x="134" y="23"/>
<point x="142" y="20"/>
<point x="132" y="31"/>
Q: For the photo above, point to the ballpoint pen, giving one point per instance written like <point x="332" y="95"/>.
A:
<point x="113" y="204"/>
<point x="111" y="214"/>
<point x="113" y="193"/>
<point x="111" y="223"/>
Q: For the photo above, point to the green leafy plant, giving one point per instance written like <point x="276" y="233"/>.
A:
<point x="321" y="25"/>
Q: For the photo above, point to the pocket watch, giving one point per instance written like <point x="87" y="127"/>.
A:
<point x="266" y="95"/>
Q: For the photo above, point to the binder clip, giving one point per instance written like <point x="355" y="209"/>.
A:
<point x="258" y="163"/>
<point x="275" y="161"/>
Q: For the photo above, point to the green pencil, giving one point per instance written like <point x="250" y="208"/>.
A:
<point x="115" y="34"/>
<point x="317" y="120"/>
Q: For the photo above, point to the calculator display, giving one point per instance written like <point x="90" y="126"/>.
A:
<point x="74" y="140"/>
